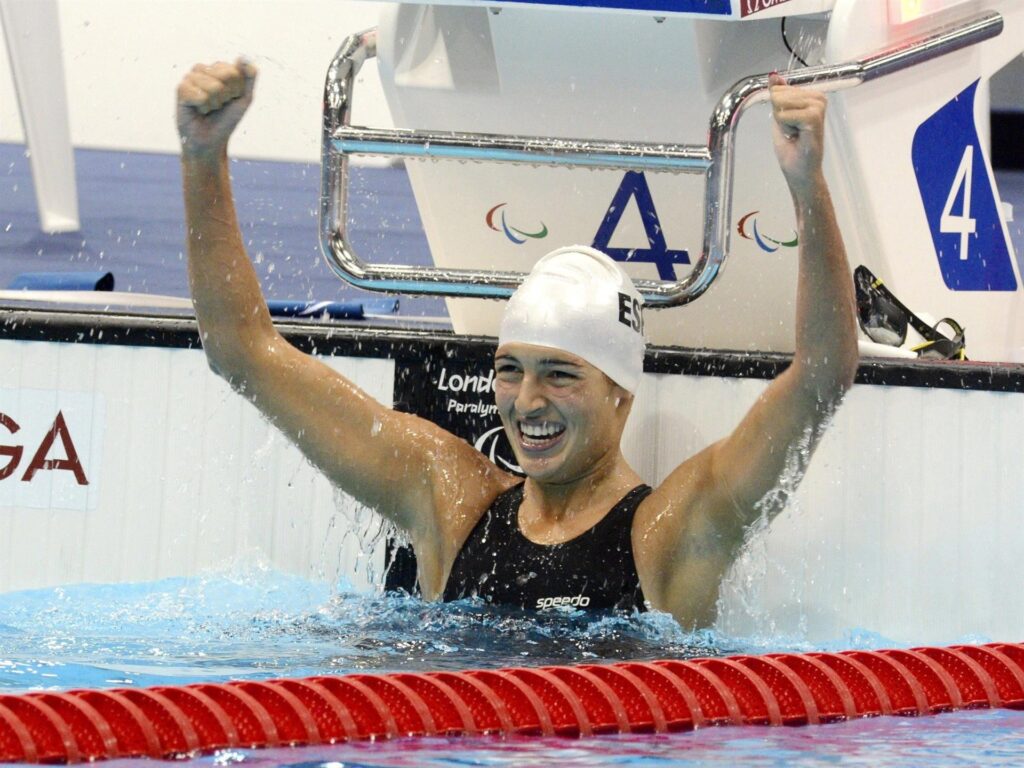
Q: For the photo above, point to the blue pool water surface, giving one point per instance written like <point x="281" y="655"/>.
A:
<point x="256" y="623"/>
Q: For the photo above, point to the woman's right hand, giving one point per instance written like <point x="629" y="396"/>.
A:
<point x="211" y="100"/>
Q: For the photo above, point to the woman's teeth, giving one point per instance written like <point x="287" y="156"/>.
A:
<point x="540" y="433"/>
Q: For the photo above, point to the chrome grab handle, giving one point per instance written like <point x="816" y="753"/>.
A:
<point x="715" y="160"/>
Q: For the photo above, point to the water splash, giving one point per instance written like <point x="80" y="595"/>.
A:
<point x="249" y="621"/>
<point x="743" y="597"/>
<point x="365" y="534"/>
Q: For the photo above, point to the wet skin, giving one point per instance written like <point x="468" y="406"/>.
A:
<point x="563" y="416"/>
<point x="564" y="419"/>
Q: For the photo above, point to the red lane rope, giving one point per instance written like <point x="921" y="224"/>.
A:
<point x="681" y="709"/>
<point x="627" y="697"/>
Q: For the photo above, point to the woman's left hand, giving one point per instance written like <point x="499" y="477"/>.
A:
<point x="799" y="131"/>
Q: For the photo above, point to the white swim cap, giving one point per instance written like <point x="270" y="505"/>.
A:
<point x="579" y="300"/>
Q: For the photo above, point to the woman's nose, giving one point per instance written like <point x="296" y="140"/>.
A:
<point x="530" y="397"/>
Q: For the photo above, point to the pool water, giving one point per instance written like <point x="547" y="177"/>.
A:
<point x="252" y="622"/>
<point x="992" y="738"/>
<point x="256" y="623"/>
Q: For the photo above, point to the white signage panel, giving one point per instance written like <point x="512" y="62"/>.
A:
<point x="50" y="448"/>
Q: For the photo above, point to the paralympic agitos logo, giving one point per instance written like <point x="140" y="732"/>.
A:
<point x="765" y="243"/>
<point x="516" y="235"/>
<point x="492" y="444"/>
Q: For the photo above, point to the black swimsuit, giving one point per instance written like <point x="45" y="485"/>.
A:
<point x="594" y="570"/>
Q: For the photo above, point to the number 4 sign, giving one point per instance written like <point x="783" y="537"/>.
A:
<point x="963" y="225"/>
<point x="959" y="200"/>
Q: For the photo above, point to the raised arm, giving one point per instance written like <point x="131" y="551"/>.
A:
<point x="406" y="468"/>
<point x="782" y="428"/>
<point x="696" y="521"/>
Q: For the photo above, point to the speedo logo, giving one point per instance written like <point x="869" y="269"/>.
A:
<point x="580" y="601"/>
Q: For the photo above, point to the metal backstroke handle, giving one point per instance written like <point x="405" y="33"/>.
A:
<point x="715" y="160"/>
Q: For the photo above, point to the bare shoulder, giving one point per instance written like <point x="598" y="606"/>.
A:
<point x="463" y="485"/>
<point x="680" y="544"/>
<point x="461" y="481"/>
<point x="667" y="511"/>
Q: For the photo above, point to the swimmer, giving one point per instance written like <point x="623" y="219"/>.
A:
<point x="582" y="530"/>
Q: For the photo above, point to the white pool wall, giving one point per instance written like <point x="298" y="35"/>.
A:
<point x="906" y="525"/>
<point x="183" y="476"/>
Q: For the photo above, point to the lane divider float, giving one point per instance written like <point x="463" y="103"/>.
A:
<point x="626" y="697"/>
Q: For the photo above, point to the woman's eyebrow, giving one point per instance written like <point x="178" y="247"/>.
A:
<point x="559" y="362"/>
<point x="547" y="361"/>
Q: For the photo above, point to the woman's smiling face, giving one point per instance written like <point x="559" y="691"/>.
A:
<point x="563" y="417"/>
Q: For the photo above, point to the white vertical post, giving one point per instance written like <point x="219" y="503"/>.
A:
<point x="32" y="32"/>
